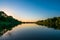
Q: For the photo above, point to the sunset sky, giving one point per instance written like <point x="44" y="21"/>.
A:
<point x="31" y="10"/>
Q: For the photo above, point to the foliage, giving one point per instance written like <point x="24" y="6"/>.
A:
<point x="7" y="22"/>
<point x="51" y="22"/>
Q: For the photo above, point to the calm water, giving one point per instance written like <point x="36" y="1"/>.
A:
<point x="31" y="32"/>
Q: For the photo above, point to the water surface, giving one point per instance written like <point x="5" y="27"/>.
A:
<point x="31" y="31"/>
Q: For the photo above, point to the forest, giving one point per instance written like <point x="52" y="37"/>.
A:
<point x="50" y="22"/>
<point x="7" y="22"/>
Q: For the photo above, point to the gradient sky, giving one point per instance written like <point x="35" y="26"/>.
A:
<point x="31" y="9"/>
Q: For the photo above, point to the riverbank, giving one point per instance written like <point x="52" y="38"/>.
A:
<point x="7" y="22"/>
<point x="50" y="22"/>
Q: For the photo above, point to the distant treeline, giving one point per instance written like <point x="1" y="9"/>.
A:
<point x="7" y="22"/>
<point x="50" y="22"/>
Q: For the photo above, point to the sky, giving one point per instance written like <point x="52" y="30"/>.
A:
<point x="31" y="10"/>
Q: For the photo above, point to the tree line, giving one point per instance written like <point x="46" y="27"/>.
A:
<point x="52" y="22"/>
<point x="7" y="22"/>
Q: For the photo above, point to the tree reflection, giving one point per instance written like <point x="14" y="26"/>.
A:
<point x="50" y="22"/>
<point x="7" y="22"/>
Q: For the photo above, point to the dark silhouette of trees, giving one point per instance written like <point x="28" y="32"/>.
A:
<point x="50" y="22"/>
<point x="7" y="22"/>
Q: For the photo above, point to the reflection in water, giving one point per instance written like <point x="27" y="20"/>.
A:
<point x="30" y="31"/>
<point x="4" y="30"/>
<point x="51" y="26"/>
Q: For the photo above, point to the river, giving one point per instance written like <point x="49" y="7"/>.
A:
<point x="31" y="32"/>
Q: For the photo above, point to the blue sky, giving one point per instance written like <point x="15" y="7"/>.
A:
<point x="31" y="9"/>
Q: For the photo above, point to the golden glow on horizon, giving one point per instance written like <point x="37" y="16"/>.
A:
<point x="10" y="12"/>
<point x="28" y="20"/>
